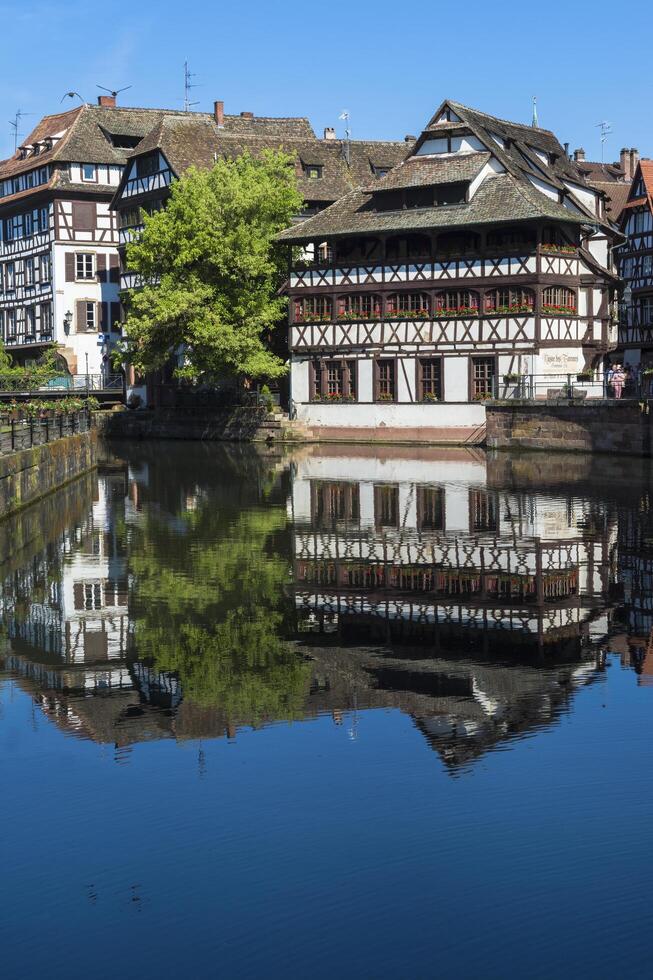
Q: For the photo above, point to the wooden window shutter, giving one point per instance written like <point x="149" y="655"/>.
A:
<point x="84" y="216"/>
<point x="70" y="266"/>
<point x="80" y="315"/>
<point x="103" y="316"/>
<point x="115" y="317"/>
<point x="101" y="266"/>
<point x="114" y="268"/>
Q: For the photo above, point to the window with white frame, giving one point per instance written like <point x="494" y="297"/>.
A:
<point x="30" y="322"/>
<point x="90" y="318"/>
<point x="45" y="267"/>
<point x="10" y="324"/>
<point x="29" y="271"/>
<point x="84" y="265"/>
<point x="88" y="172"/>
<point x="10" y="276"/>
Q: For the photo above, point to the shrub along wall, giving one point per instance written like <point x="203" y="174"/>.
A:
<point x="31" y="473"/>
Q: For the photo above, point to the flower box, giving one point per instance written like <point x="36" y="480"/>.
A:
<point x="560" y="249"/>
<point x="559" y="310"/>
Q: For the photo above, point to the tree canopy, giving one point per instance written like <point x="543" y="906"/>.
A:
<point x="210" y="271"/>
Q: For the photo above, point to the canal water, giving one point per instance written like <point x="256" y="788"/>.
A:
<point x="349" y="712"/>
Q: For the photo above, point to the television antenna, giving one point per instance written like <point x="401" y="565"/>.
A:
<point x="15" y="125"/>
<point x="346" y="148"/>
<point x="114" y="93"/>
<point x="606" y="129"/>
<point x="188" y="85"/>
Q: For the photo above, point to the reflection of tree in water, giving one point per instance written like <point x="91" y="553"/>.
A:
<point x="208" y="603"/>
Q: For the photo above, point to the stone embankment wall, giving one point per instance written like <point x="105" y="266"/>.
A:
<point x="228" y="425"/>
<point x="571" y="426"/>
<point x="29" y="474"/>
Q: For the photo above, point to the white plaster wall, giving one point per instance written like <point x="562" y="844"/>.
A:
<point x="430" y="147"/>
<point x="406" y="379"/>
<point x="587" y="197"/>
<point x="365" y="381"/>
<point x="599" y="249"/>
<point x="392" y="415"/>
<point x="543" y="187"/>
<point x="491" y="168"/>
<point x="456" y="379"/>
<point x="66" y="294"/>
<point x="299" y="380"/>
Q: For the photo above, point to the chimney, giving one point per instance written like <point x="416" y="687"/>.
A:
<point x="579" y="155"/>
<point x="634" y="160"/>
<point x="247" y="115"/>
<point x="410" y="139"/>
<point x="218" y="114"/>
<point x="329" y="133"/>
<point x="566" y="151"/>
<point x="108" y="101"/>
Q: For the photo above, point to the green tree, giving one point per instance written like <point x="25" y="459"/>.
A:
<point x="211" y="271"/>
<point x="15" y="377"/>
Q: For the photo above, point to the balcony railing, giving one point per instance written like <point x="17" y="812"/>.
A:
<point x="484" y="254"/>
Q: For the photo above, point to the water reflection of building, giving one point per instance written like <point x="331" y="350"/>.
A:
<point x="404" y="548"/>
<point x="75" y="609"/>
<point x="417" y="586"/>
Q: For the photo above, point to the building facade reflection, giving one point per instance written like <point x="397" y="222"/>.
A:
<point x="197" y="591"/>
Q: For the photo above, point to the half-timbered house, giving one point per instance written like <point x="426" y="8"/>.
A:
<point x="326" y="168"/>
<point x="484" y="256"/>
<point x="59" y="269"/>
<point x="636" y="269"/>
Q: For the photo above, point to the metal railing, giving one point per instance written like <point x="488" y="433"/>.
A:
<point x="543" y="387"/>
<point x="23" y="433"/>
<point x="75" y="383"/>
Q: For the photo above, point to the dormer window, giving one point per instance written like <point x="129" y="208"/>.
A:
<point x="446" y="194"/>
<point x="380" y="171"/>
<point x="89" y="173"/>
<point x="313" y="171"/>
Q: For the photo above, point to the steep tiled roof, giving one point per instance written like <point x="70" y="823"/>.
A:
<point x="499" y="199"/>
<point x="428" y="171"/>
<point x="194" y="139"/>
<point x="616" y="194"/>
<point x="532" y="158"/>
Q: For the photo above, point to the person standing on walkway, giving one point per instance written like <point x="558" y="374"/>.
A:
<point x="618" y="379"/>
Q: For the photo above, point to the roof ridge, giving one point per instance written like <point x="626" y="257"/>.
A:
<point x="507" y="122"/>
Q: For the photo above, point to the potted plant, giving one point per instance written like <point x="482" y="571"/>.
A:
<point x="584" y="375"/>
<point x="430" y="397"/>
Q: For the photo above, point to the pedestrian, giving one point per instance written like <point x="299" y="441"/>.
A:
<point x="618" y="379"/>
<point x="629" y="382"/>
<point x="609" y="374"/>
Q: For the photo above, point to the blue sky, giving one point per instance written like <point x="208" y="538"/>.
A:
<point x="388" y="63"/>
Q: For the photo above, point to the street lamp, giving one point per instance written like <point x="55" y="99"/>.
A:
<point x="67" y="322"/>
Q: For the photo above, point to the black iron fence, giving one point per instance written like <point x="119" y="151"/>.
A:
<point x="543" y="387"/>
<point x="23" y="433"/>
